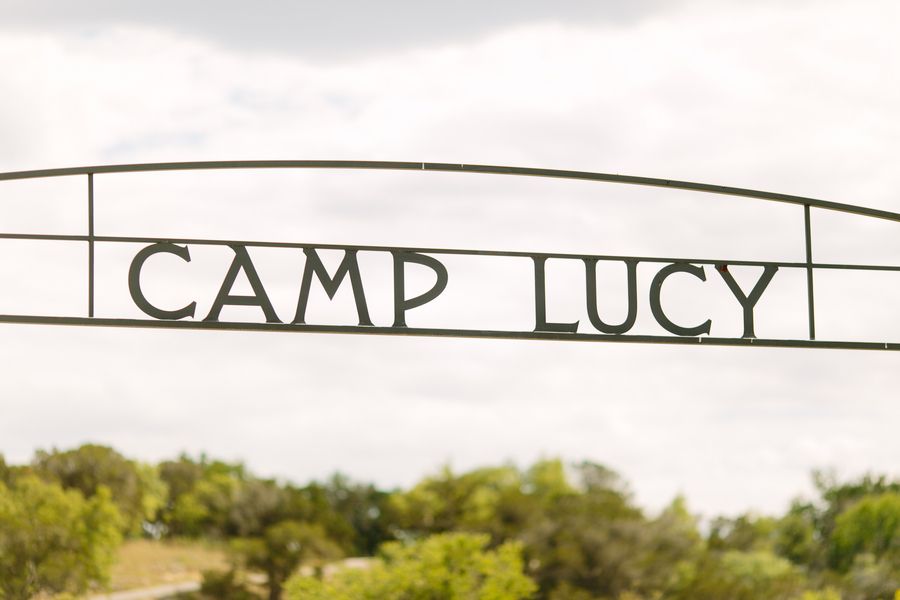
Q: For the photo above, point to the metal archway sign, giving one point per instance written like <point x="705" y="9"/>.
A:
<point x="348" y="273"/>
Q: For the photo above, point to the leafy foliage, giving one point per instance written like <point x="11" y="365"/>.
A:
<point x="553" y="531"/>
<point x="283" y="548"/>
<point x="871" y="526"/>
<point x="54" y="540"/>
<point x="447" y="566"/>
<point x="136" y="490"/>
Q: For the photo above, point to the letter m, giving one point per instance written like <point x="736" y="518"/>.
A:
<point x="331" y="284"/>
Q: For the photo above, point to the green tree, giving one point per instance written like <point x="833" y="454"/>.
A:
<point x="90" y="467"/>
<point x="547" y="479"/>
<point x="580" y="529"/>
<point x="315" y="503"/>
<point x="201" y="496"/>
<point x="447" y="566"/>
<point x="670" y="544"/>
<point x="364" y="509"/>
<point x="795" y="535"/>
<point x="5" y="472"/>
<point x="54" y="540"/>
<point x="870" y="578"/>
<point x="738" y="575"/>
<point x="592" y="539"/>
<point x="870" y="526"/>
<point x="746" y="533"/>
<point x="283" y="548"/>
<point x="180" y="475"/>
<point x="838" y="497"/>
<point x="255" y="505"/>
<point x="154" y="495"/>
<point x="491" y="500"/>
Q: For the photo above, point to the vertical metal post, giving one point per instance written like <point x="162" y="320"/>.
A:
<point x="90" y="244"/>
<point x="809" y="274"/>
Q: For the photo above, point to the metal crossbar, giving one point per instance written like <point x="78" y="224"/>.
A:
<point x="92" y="239"/>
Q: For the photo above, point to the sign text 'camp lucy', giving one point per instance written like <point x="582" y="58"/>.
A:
<point x="350" y="275"/>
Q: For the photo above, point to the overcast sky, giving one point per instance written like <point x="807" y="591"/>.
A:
<point x="797" y="98"/>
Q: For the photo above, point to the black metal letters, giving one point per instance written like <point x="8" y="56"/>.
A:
<point x="564" y="328"/>
<point x="331" y="284"/>
<point x="349" y="267"/>
<point x="401" y="304"/>
<point x="259" y="298"/>
<point x="134" y="281"/>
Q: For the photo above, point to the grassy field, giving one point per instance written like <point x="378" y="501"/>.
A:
<point x="145" y="563"/>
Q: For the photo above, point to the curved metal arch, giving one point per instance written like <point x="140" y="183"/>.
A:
<point x="460" y="168"/>
<point x="92" y="239"/>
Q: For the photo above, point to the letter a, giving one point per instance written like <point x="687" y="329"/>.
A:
<point x="225" y="297"/>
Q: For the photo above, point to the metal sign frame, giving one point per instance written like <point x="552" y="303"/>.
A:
<point x="547" y="333"/>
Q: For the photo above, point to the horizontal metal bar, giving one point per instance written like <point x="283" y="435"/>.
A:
<point x="45" y="237"/>
<point x="447" y="251"/>
<point x="454" y="333"/>
<point x="461" y="168"/>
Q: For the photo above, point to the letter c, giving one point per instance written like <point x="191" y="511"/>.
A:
<point x="134" y="281"/>
<point x="656" y="306"/>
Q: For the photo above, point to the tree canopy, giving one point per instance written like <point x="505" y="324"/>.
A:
<point x="450" y="566"/>
<point x="551" y="530"/>
<point x="54" y="540"/>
